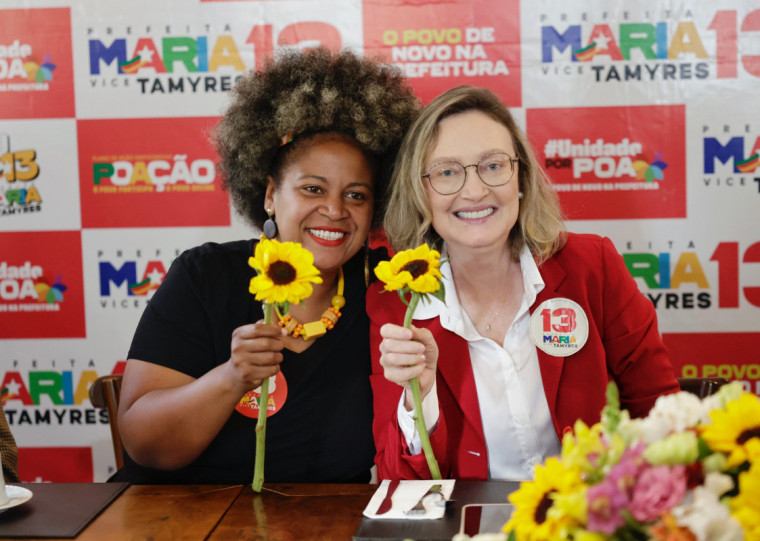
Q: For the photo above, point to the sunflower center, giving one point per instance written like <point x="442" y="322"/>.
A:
<point x="742" y="438"/>
<point x="542" y="507"/>
<point x="416" y="267"/>
<point x="281" y="273"/>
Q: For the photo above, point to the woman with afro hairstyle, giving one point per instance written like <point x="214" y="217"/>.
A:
<point x="305" y="148"/>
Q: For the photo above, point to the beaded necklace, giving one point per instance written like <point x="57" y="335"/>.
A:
<point x="315" y="329"/>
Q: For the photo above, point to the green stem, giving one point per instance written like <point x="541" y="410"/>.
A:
<point x="261" y="423"/>
<point x="419" y="419"/>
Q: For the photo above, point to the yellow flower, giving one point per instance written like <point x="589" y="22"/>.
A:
<point x="285" y="272"/>
<point x="583" y="535"/>
<point x="745" y="507"/>
<point x="733" y="427"/>
<point x="572" y="507"/>
<point x="583" y="447"/>
<point x="417" y="269"/>
<point x="532" y="520"/>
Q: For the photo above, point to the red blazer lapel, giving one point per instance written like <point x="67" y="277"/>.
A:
<point x="551" y="367"/>
<point x="455" y="374"/>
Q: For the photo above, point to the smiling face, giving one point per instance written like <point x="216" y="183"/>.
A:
<point x="324" y="201"/>
<point x="478" y="216"/>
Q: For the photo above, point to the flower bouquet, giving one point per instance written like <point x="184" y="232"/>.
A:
<point x="688" y="471"/>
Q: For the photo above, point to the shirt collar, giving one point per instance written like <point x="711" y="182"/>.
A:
<point x="452" y="314"/>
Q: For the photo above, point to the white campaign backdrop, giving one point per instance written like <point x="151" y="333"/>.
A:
<point x="713" y="247"/>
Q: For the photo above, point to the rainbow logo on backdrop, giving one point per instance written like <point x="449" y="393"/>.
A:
<point x="650" y="172"/>
<point x="50" y="293"/>
<point x="40" y="72"/>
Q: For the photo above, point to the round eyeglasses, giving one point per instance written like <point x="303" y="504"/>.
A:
<point x="448" y="178"/>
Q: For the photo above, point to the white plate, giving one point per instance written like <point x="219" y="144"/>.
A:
<point x="17" y="495"/>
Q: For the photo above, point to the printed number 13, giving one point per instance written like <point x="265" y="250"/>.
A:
<point x="21" y="165"/>
<point x="305" y="34"/>
<point x="566" y="317"/>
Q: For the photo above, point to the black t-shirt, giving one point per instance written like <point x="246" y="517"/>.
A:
<point x="322" y="433"/>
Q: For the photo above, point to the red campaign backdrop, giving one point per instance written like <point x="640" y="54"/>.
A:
<point x="149" y="172"/>
<point x="41" y="289"/>
<point x="36" y="71"/>
<point x="717" y="355"/>
<point x="614" y="162"/>
<point x="644" y="117"/>
<point x="55" y="464"/>
<point x="437" y="47"/>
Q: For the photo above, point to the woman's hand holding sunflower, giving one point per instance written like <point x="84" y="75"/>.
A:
<point x="255" y="354"/>
<point x="285" y="272"/>
<point x="409" y="355"/>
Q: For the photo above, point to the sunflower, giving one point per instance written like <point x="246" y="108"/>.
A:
<point x="416" y="269"/>
<point x="745" y="507"/>
<point x="531" y="519"/>
<point x="733" y="427"/>
<point x="285" y="272"/>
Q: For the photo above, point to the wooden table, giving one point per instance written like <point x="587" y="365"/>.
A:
<point x="198" y="512"/>
<point x="295" y="512"/>
<point x="281" y="512"/>
<point x="181" y="512"/>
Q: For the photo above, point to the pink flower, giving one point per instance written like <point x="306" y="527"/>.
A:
<point x="657" y="490"/>
<point x="625" y="472"/>
<point x="608" y="498"/>
<point x="605" y="501"/>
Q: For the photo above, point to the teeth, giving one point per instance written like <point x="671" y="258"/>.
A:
<point x="327" y="235"/>
<point x="475" y="215"/>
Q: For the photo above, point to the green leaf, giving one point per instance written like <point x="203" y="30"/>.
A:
<point x="611" y="412"/>
<point x="282" y="309"/>
<point x="704" y="449"/>
<point x="402" y="296"/>
<point x="441" y="294"/>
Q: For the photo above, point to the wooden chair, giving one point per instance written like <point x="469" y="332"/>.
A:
<point x="105" y="393"/>
<point x="701" y="387"/>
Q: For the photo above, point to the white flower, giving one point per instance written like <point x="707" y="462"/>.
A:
<point x="631" y="430"/>
<point x="703" y="514"/>
<point x="672" y="413"/>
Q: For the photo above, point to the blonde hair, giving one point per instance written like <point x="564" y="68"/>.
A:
<point x="408" y="218"/>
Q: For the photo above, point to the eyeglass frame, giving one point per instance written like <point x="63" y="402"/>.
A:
<point x="512" y="161"/>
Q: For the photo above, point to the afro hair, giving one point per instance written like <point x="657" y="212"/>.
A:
<point x="303" y="94"/>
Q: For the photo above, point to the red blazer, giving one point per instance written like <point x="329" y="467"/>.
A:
<point x="623" y="345"/>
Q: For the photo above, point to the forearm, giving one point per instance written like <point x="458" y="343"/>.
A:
<point x="406" y="418"/>
<point x="169" y="427"/>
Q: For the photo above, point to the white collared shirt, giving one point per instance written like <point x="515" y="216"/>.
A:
<point x="516" y="420"/>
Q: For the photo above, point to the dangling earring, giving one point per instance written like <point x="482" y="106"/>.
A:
<point x="520" y="195"/>
<point x="366" y="263"/>
<point x="270" y="227"/>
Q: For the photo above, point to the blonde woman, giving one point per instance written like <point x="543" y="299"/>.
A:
<point x="536" y="320"/>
